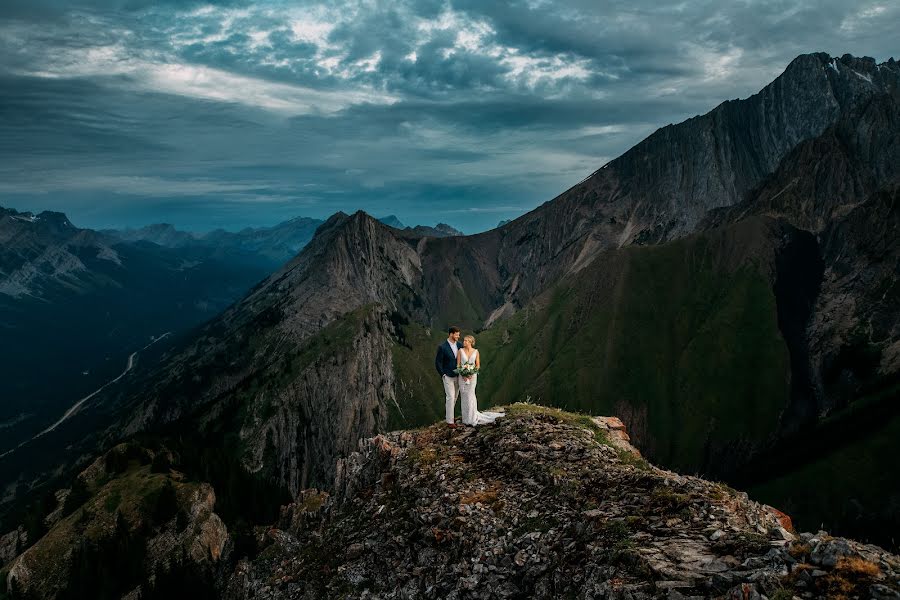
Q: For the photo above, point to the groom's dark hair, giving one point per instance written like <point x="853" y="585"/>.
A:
<point x="453" y="330"/>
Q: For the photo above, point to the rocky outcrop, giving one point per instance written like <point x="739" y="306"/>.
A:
<point x="136" y="528"/>
<point x="542" y="504"/>
<point x="12" y="543"/>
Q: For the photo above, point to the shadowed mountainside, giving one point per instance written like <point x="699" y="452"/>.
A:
<point x="74" y="303"/>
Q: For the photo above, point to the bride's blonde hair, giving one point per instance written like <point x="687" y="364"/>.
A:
<point x="470" y="338"/>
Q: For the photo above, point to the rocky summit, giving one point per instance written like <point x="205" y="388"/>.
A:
<point x="542" y="504"/>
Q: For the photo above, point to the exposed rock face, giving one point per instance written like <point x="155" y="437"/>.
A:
<point x="682" y="171"/>
<point x="318" y="417"/>
<point x="843" y="187"/>
<point x="307" y="355"/>
<point x="11" y="544"/>
<point x="41" y="253"/>
<point x="662" y="188"/>
<point x="135" y="529"/>
<point x="857" y="309"/>
<point x="542" y="505"/>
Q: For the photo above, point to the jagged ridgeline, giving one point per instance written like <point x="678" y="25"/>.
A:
<point x="728" y="287"/>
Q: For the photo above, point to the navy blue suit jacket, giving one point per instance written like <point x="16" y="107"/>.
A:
<point x="444" y="360"/>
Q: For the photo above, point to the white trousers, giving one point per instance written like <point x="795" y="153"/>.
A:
<point x="451" y="391"/>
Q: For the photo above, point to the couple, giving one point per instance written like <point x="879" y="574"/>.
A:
<point x="452" y="357"/>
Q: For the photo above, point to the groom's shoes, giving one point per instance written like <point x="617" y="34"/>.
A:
<point x="452" y="425"/>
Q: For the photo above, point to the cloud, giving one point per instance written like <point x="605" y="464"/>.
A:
<point x="123" y="109"/>
<point x="486" y="209"/>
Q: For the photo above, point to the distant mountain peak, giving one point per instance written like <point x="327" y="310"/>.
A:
<point x="449" y="230"/>
<point x="53" y="216"/>
<point x="392" y="221"/>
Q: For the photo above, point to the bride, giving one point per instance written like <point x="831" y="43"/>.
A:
<point x="470" y="414"/>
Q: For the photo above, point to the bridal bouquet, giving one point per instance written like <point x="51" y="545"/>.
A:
<point x="466" y="370"/>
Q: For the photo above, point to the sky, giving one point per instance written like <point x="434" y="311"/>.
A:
<point x="233" y="114"/>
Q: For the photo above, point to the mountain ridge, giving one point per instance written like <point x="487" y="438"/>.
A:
<point x="75" y="302"/>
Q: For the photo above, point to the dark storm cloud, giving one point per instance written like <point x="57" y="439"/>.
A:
<point x="233" y="113"/>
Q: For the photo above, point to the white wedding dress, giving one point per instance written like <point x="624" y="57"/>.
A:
<point x="470" y="412"/>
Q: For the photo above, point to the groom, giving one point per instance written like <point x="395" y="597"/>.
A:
<point x="445" y="363"/>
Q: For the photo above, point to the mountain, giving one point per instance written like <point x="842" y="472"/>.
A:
<point x="726" y="287"/>
<point x="163" y="234"/>
<point x="74" y="303"/>
<point x="269" y="245"/>
<point x="504" y="222"/>
<point x="544" y="503"/>
<point x="439" y="230"/>
<point x="392" y="221"/>
<point x="36" y="253"/>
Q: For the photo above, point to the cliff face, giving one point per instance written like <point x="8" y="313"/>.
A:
<point x="300" y="369"/>
<point x="841" y="186"/>
<point x="661" y="188"/>
<point x="682" y="171"/>
<point x="543" y="504"/>
<point x="297" y="429"/>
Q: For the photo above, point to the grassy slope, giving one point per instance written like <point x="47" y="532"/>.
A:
<point x="668" y="331"/>
<point x="841" y="475"/>
<point x="661" y="330"/>
<point x="853" y="488"/>
<point x="420" y="394"/>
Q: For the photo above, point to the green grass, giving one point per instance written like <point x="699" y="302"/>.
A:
<point x="112" y="501"/>
<point x="124" y="494"/>
<point x="663" y="332"/>
<point x="862" y="493"/>
<point x="420" y="393"/>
